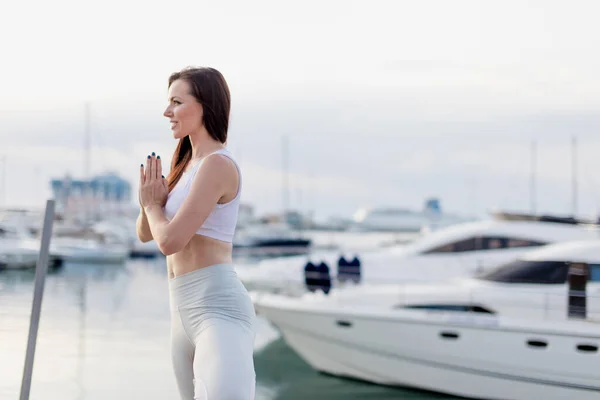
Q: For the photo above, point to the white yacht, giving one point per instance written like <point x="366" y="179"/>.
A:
<point x="101" y="242"/>
<point x="269" y="239"/>
<point x="512" y="334"/>
<point x="139" y="249"/>
<point x="76" y="250"/>
<point x="19" y="250"/>
<point x="16" y="257"/>
<point x="459" y="250"/>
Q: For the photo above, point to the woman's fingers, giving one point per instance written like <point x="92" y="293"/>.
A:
<point x="149" y="169"/>
<point x="153" y="169"/>
<point x="141" y="174"/>
<point x="158" y="168"/>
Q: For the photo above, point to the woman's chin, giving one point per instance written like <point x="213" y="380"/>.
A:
<point x="177" y="135"/>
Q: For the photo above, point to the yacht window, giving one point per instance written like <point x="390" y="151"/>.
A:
<point x="511" y="243"/>
<point x="460" y="246"/>
<point x="448" y="307"/>
<point x="484" y="243"/>
<point x="540" y="272"/>
<point x="494" y="243"/>
<point x="594" y="272"/>
<point x="498" y="242"/>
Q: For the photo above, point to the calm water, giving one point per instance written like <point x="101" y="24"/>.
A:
<point x="104" y="334"/>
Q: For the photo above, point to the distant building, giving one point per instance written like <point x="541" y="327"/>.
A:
<point x="100" y="194"/>
<point x="394" y="219"/>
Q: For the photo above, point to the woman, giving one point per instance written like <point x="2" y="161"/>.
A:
<point x="192" y="215"/>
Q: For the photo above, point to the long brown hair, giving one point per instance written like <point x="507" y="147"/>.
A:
<point x="210" y="89"/>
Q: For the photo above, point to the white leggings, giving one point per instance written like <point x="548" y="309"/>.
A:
<point x="212" y="335"/>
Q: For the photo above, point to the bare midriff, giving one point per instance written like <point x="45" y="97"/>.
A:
<point x="201" y="251"/>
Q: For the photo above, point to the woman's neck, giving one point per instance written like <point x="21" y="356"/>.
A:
<point x="203" y="145"/>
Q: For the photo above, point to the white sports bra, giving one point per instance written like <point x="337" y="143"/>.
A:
<point x="222" y="221"/>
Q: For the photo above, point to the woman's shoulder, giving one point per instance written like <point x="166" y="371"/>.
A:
<point x="221" y="166"/>
<point x="221" y="158"/>
<point x="220" y="170"/>
<point x="218" y="162"/>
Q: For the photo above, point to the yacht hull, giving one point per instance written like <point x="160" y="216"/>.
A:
<point x="478" y="357"/>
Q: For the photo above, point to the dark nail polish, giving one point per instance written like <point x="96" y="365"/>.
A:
<point x="163" y="176"/>
<point x="148" y="156"/>
<point x="157" y="156"/>
<point x="153" y="154"/>
<point x="141" y="165"/>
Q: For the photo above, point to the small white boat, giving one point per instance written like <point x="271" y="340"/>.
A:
<point x="138" y="249"/>
<point x="21" y="251"/>
<point x="506" y="335"/>
<point x="88" y="251"/>
<point x="13" y="256"/>
<point x="269" y="239"/>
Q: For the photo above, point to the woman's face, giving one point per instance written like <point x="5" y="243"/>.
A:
<point x="184" y="111"/>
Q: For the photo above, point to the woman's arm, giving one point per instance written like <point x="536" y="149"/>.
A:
<point x="143" y="228"/>
<point x="210" y="184"/>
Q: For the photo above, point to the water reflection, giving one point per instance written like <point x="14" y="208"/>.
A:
<point x="98" y="325"/>
<point x="104" y="333"/>
<point x="286" y="376"/>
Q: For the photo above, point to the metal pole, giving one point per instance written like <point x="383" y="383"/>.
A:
<point x="40" y="279"/>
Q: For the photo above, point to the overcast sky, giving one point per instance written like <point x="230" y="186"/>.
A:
<point x="384" y="103"/>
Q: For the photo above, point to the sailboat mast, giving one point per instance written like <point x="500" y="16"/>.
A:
<point x="86" y="163"/>
<point x="574" y="174"/>
<point x="3" y="191"/>
<point x="87" y="142"/>
<point x="532" y="189"/>
<point x="285" y="186"/>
